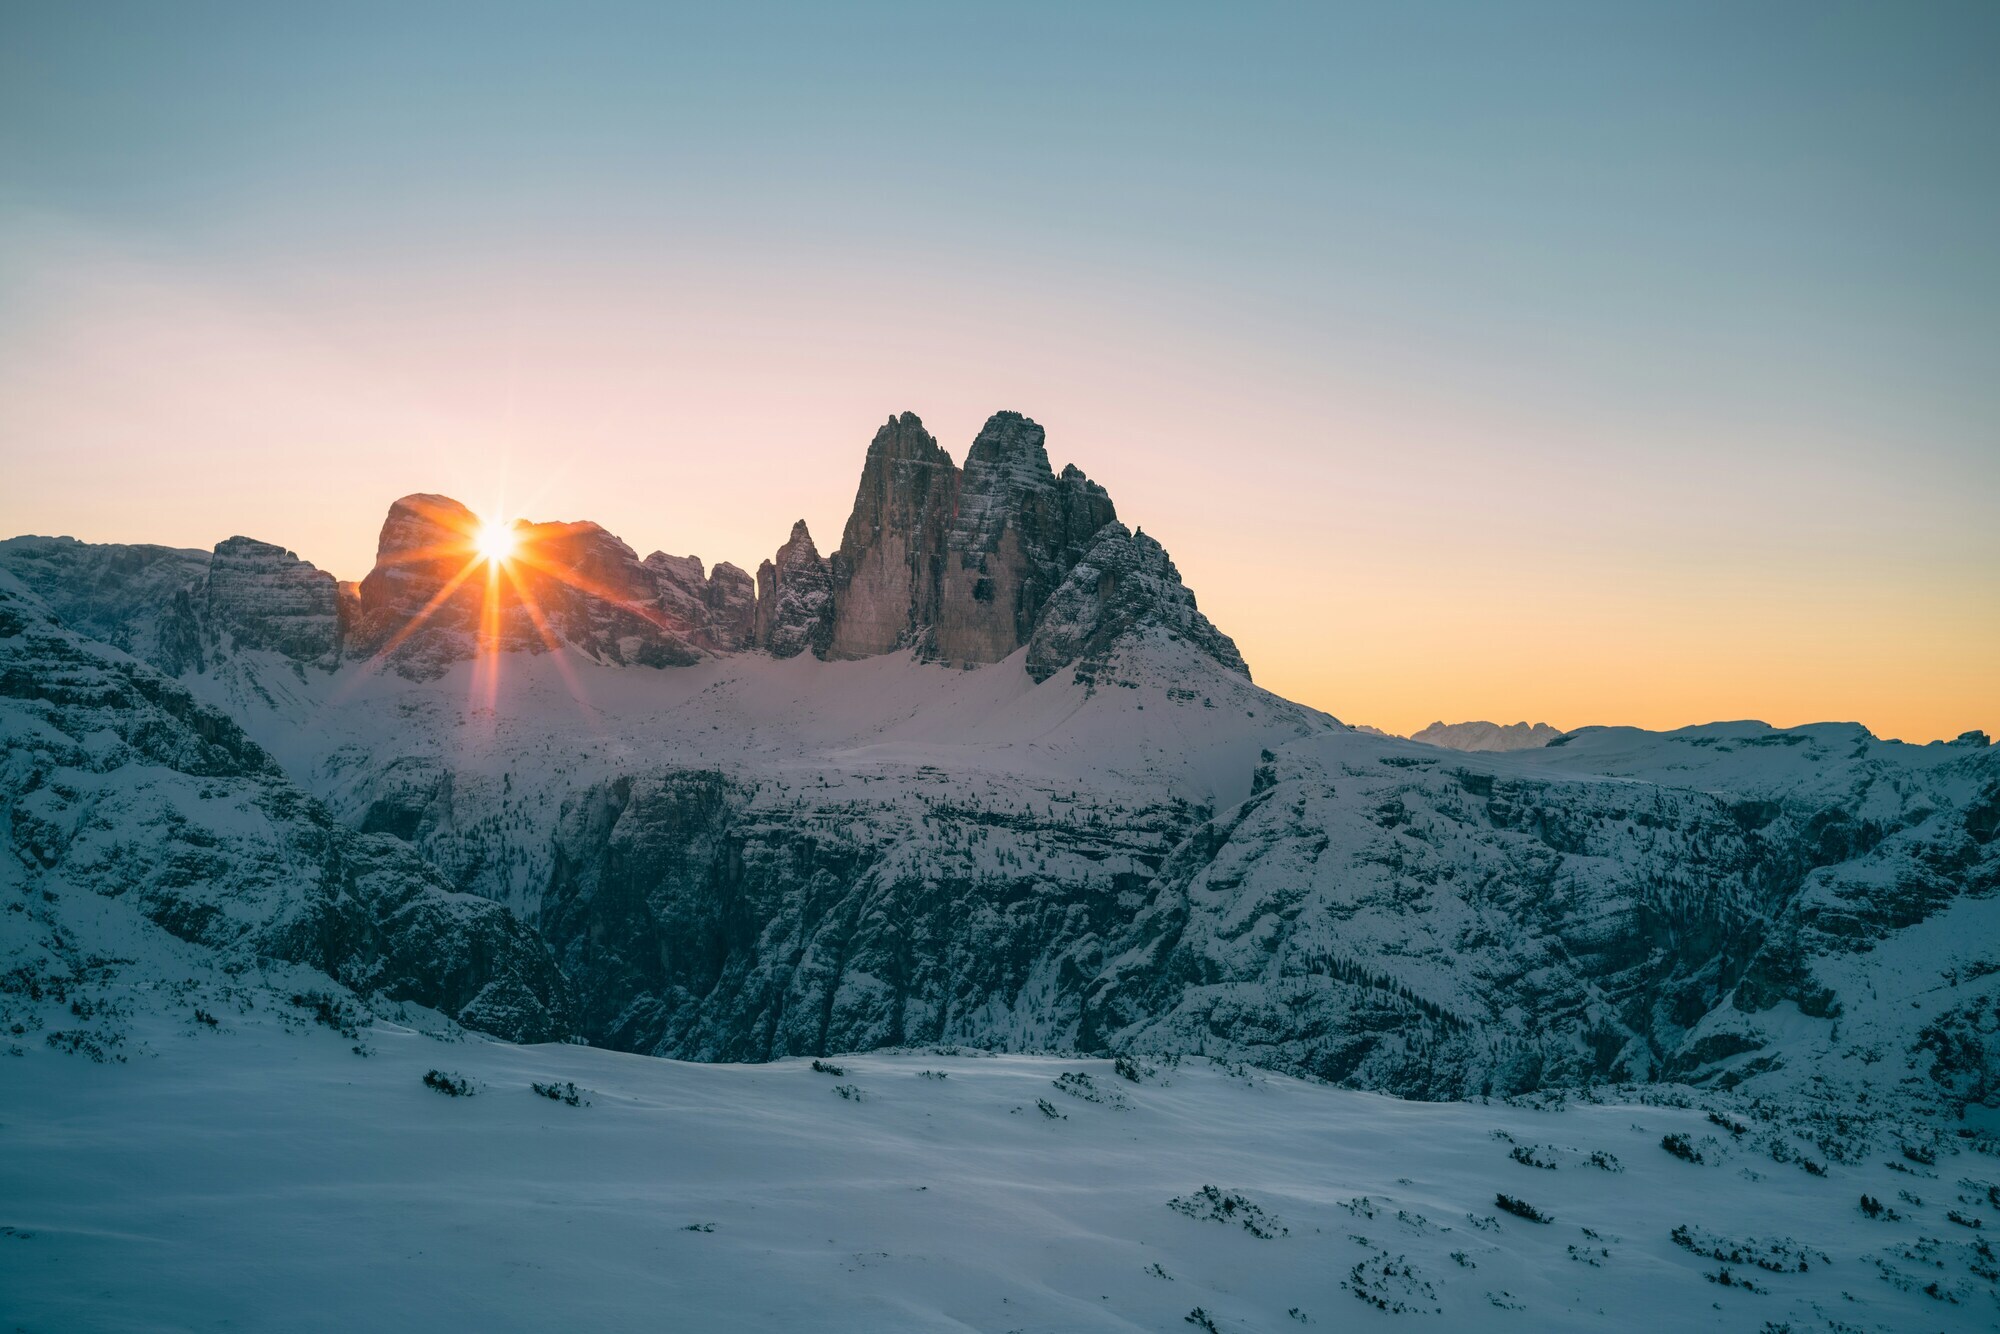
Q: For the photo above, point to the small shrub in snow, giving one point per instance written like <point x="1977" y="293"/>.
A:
<point x="564" y="1093"/>
<point x="1964" y="1220"/>
<point x="1921" y="1153"/>
<point x="1049" y="1110"/>
<point x="1531" y="1157"/>
<point x="1126" y="1067"/>
<point x="699" y="1227"/>
<point x="452" y="1086"/>
<point x="1874" y="1208"/>
<point x="331" y="1012"/>
<point x="83" y="1042"/>
<point x="1783" y="1256"/>
<point x="1392" y="1285"/>
<point x="202" y="1016"/>
<point x="1723" y="1278"/>
<point x="1607" y="1162"/>
<point x="1522" y="1209"/>
<point x="933" y="1074"/>
<point x="828" y="1068"/>
<point x="1200" y="1319"/>
<point x="848" y="1092"/>
<point x="1158" y="1272"/>
<point x="1216" y="1206"/>
<point x="1681" y="1147"/>
<point x="1080" y="1085"/>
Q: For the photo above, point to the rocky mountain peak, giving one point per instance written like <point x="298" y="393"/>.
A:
<point x="795" y="598"/>
<point x="886" y="573"/>
<point x="264" y="597"/>
<point x="1124" y="586"/>
<point x="1019" y="531"/>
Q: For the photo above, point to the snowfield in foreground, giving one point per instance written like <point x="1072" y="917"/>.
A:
<point x="260" y="1174"/>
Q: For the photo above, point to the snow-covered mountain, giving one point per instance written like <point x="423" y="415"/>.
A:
<point x="986" y="775"/>
<point x="1486" y="736"/>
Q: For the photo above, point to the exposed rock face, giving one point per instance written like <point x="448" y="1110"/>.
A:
<point x="1478" y="736"/>
<point x="888" y="572"/>
<point x="430" y="602"/>
<point x="700" y="921"/>
<point x="795" y="598"/>
<point x="118" y="783"/>
<point x="1125" y="586"/>
<point x="135" y="598"/>
<point x="1018" y="532"/>
<point x="602" y="598"/>
<point x="731" y="597"/>
<point x="264" y="597"/>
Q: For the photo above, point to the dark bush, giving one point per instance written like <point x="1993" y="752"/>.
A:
<point x="1522" y="1209"/>
<point x="452" y="1086"/>
<point x="564" y="1093"/>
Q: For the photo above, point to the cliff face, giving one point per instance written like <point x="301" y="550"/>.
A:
<point x="263" y="596"/>
<point x="1019" y="531"/>
<point x="121" y="787"/>
<point x="887" y="574"/>
<point x="962" y="565"/>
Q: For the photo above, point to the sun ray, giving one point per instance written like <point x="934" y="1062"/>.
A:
<point x="526" y="597"/>
<point x="416" y="622"/>
<point x="599" y="591"/>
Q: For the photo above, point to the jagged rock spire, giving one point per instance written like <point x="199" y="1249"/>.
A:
<point x="795" y="598"/>
<point x="886" y="575"/>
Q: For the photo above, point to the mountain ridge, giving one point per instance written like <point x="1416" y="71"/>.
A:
<point x="805" y="818"/>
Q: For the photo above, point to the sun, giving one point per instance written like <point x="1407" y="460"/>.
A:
<point x="495" y="541"/>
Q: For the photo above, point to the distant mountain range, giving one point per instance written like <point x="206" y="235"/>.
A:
<point x="1477" y="736"/>
<point x="985" y="775"/>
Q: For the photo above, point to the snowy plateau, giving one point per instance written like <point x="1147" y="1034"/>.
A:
<point x="943" y="932"/>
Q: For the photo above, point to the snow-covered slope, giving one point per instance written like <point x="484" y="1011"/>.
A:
<point x="128" y="809"/>
<point x="260" y="1174"/>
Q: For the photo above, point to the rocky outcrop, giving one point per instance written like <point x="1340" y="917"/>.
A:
<point x="795" y="598"/>
<point x="1125" y="586"/>
<point x="1018" y="532"/>
<point x="887" y="575"/>
<point x="136" y="598"/>
<point x="264" y="597"/>
<point x="717" y="609"/>
<point x="119" y="784"/>
<point x="731" y="598"/>
<point x="431" y="601"/>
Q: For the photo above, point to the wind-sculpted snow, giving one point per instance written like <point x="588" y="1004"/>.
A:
<point x="258" y="1174"/>
<point x="118" y="784"/>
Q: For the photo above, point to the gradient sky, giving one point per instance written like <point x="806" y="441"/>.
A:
<point x="1582" y="363"/>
